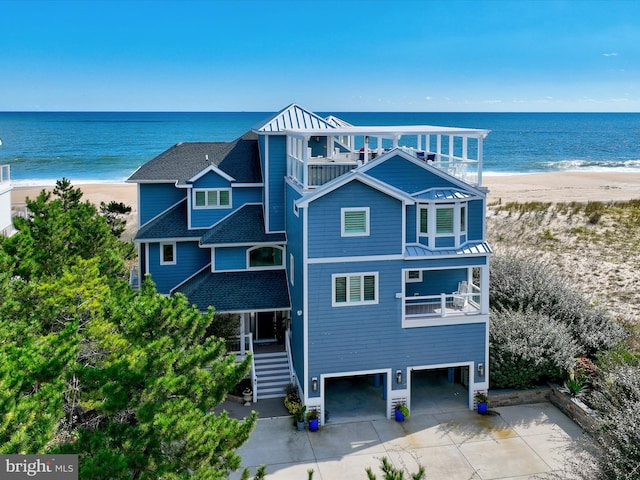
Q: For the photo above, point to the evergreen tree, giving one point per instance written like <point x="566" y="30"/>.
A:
<point x="127" y="380"/>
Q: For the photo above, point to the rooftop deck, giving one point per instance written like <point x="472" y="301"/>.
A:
<point x="315" y="158"/>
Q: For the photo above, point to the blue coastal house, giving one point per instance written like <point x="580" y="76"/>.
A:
<point x="348" y="251"/>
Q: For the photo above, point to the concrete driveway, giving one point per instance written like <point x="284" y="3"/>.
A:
<point x="516" y="442"/>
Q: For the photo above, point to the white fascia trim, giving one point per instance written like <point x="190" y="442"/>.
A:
<point x="236" y="270"/>
<point x="189" y="278"/>
<point x="259" y="244"/>
<point x="167" y="240"/>
<point x="369" y="258"/>
<point x="353" y="176"/>
<point x="214" y="169"/>
<point x="446" y="321"/>
<point x="247" y="185"/>
<point x="146" y="258"/>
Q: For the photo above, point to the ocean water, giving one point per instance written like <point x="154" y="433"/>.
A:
<point x="90" y="147"/>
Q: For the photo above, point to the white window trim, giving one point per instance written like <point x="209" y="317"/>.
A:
<point x="175" y="253"/>
<point x="208" y="191"/>
<point x="271" y="267"/>
<point x="432" y="208"/>
<point x="412" y="280"/>
<point x="348" y="303"/>
<point x="366" y="211"/>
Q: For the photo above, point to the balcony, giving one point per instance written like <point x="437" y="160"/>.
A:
<point x="443" y="305"/>
<point x="315" y="158"/>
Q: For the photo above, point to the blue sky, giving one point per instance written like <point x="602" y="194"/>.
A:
<point x="347" y="55"/>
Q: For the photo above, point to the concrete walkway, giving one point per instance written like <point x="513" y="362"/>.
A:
<point x="516" y="442"/>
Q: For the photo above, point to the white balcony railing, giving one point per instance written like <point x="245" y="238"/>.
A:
<point x="443" y="305"/>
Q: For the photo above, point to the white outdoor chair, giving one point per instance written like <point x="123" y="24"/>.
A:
<point x="460" y="297"/>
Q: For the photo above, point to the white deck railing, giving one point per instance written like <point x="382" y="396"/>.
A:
<point x="443" y="305"/>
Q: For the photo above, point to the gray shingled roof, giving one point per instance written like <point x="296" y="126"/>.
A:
<point x="246" y="225"/>
<point x="171" y="224"/>
<point x="238" y="291"/>
<point x="239" y="159"/>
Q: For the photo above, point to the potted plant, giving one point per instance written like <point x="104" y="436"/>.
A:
<point x="401" y="412"/>
<point x="482" y="400"/>
<point x="312" y="418"/>
<point x="300" y="418"/>
<point x="292" y="400"/>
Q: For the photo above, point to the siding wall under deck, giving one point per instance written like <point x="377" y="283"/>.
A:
<point x="155" y="198"/>
<point x="385" y="223"/>
<point x="189" y="259"/>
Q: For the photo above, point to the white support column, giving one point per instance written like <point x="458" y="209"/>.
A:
<point x="451" y="145"/>
<point x="380" y="149"/>
<point x="439" y="146"/>
<point x="480" y="139"/>
<point x="242" y="333"/>
<point x="305" y="168"/>
<point x="396" y="138"/>
<point x="419" y="142"/>
<point x="464" y="148"/>
<point x="484" y="290"/>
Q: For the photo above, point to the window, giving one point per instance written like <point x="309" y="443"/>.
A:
<point x="463" y="219"/>
<point x="355" y="289"/>
<point x="355" y="222"/>
<point x="444" y="220"/>
<point x="167" y="254"/>
<point x="424" y="220"/>
<point x="413" y="276"/>
<point x="217" y="198"/>
<point x="265" y="257"/>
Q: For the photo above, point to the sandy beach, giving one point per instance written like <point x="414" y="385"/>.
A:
<point x="544" y="187"/>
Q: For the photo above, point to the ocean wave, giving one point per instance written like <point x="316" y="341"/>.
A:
<point x="592" y="165"/>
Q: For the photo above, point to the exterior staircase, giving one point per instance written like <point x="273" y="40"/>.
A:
<point x="273" y="373"/>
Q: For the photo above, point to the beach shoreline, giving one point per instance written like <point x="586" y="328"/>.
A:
<point x="552" y="187"/>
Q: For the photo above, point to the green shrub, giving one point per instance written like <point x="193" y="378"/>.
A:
<point x="528" y="348"/>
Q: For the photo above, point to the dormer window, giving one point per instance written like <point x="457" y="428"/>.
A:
<point x="212" y="198"/>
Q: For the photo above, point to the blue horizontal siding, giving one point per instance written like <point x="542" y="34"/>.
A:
<point x="277" y="172"/>
<point x="325" y="223"/>
<point x="294" y="225"/>
<point x="475" y="227"/>
<point x="230" y="258"/>
<point x="437" y="282"/>
<point x="189" y="259"/>
<point x="442" y="242"/>
<point x="370" y="336"/>
<point x="155" y="198"/>
<point x="211" y="180"/>
<point x="408" y="176"/>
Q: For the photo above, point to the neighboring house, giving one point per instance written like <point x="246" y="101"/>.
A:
<point x="358" y="254"/>
<point x="6" y="222"/>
